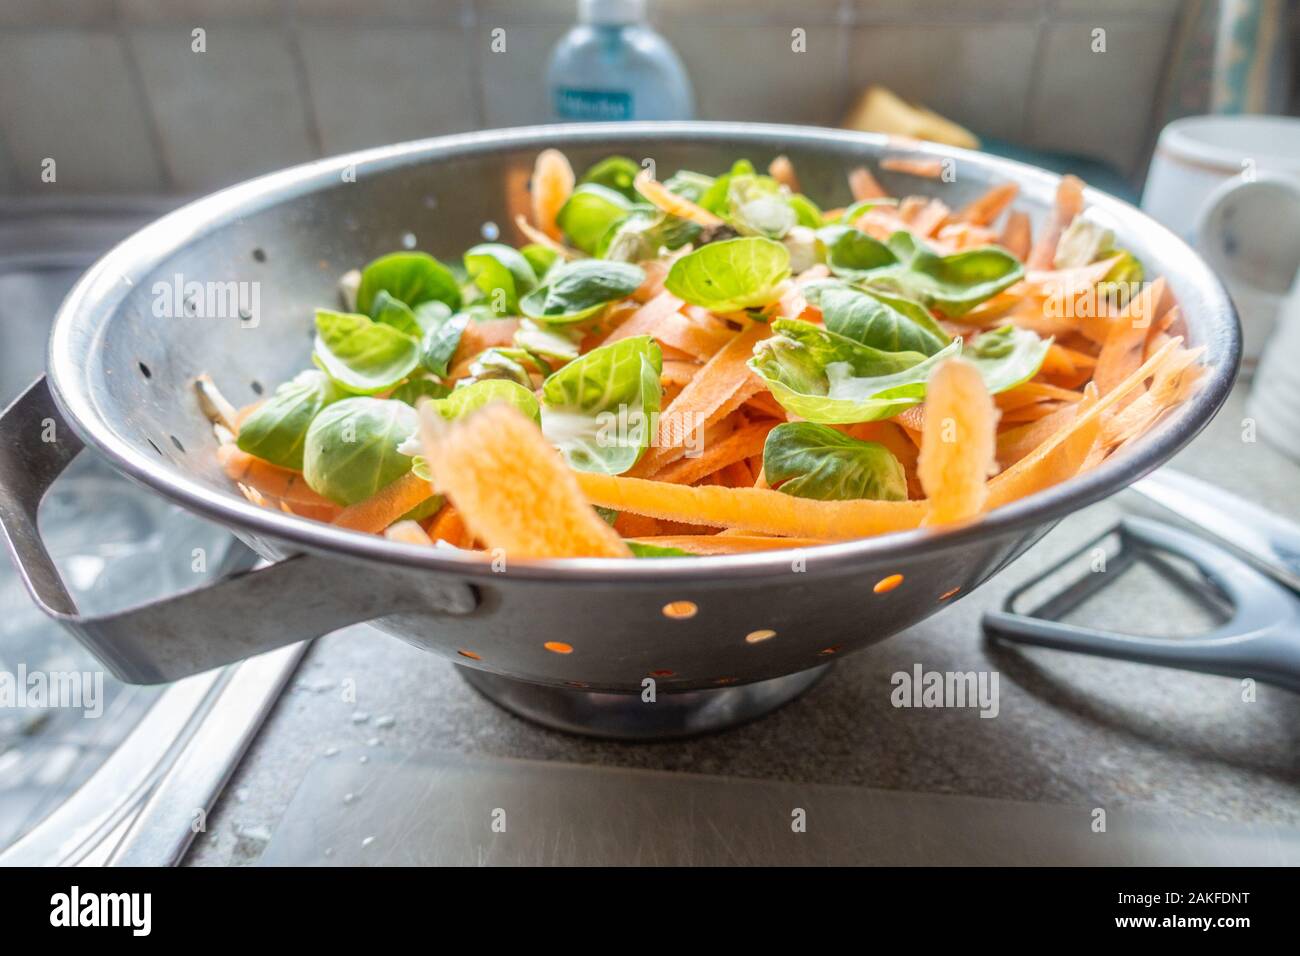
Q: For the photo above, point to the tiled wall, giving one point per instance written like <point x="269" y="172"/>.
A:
<point x="112" y="90"/>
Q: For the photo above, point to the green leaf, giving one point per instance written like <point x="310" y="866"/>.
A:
<point x="1122" y="280"/>
<point x="351" y="449"/>
<point x="540" y="257"/>
<point x="759" y="206"/>
<point x="805" y="211"/>
<point x="361" y="355"/>
<point x="643" y="233"/>
<point x="805" y="251"/>
<point x="906" y="246"/>
<point x="390" y="310"/>
<point x="431" y="314"/>
<point x="1085" y="242"/>
<point x="852" y="254"/>
<point x="641" y="550"/>
<point x="589" y="213"/>
<point x="952" y="284"/>
<point x="556" y="344"/>
<point x="576" y="291"/>
<point x="731" y="275"/>
<point x="600" y="409"/>
<point x="502" y="274"/>
<point x="808" y="460"/>
<point x="852" y="213"/>
<point x="827" y="378"/>
<point x="440" y="341"/>
<point x="756" y="205"/>
<point x="1007" y="357"/>
<point x="480" y="312"/>
<point x="1082" y="243"/>
<point x="470" y="398"/>
<point x="716" y="197"/>
<point x="617" y="173"/>
<point x="277" y="430"/>
<point x="498" y="363"/>
<point x="412" y="277"/>
<point x="689" y="185"/>
<point x="880" y="321"/>
<point x="466" y="400"/>
<point x="418" y="386"/>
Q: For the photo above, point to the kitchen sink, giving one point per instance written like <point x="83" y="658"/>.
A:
<point x="94" y="771"/>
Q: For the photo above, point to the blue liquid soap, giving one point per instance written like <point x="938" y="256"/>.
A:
<point x="612" y="66"/>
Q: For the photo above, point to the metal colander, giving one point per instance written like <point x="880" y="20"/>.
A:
<point x="566" y="641"/>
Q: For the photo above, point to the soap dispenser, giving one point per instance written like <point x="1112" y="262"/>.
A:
<point x="613" y="66"/>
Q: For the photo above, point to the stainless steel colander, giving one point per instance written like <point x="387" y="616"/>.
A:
<point x="581" y="644"/>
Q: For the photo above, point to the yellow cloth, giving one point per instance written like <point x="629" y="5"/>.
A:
<point x="879" y="110"/>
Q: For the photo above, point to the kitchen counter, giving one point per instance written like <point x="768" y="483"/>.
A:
<point x="1070" y="730"/>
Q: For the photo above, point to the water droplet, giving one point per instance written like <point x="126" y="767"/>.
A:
<point x="490" y="231"/>
<point x="360" y="717"/>
<point x="331" y="751"/>
<point x="251" y="841"/>
<point x="367" y="841"/>
<point x="386" y="721"/>
<point x="408" y="240"/>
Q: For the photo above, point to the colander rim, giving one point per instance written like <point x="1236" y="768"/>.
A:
<point x="103" y="288"/>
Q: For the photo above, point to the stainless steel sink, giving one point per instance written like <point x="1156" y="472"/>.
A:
<point x="127" y="776"/>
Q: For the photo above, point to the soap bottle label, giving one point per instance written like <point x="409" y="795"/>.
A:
<point x="592" y="105"/>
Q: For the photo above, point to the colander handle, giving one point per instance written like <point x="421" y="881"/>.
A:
<point x="301" y="597"/>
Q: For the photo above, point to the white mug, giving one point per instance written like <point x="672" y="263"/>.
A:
<point x="1230" y="185"/>
<point x="1274" y="403"/>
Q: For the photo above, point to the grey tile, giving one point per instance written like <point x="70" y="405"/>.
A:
<point x="514" y="81"/>
<point x="8" y="180"/>
<point x="752" y="73"/>
<point x="57" y="13"/>
<point x="196" y="12"/>
<point x="228" y="113"/>
<point x="374" y="12"/>
<point x="509" y="13"/>
<point x="385" y="85"/>
<point x="1098" y="104"/>
<point x="940" y="12"/>
<point x="977" y="75"/>
<point x="69" y="95"/>
<point x="1085" y="9"/>
<point x="748" y="12"/>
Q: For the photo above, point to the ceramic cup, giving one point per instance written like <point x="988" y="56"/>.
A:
<point x="1274" y="401"/>
<point x="1230" y="185"/>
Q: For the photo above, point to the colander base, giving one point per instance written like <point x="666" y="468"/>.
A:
<point x="629" y="717"/>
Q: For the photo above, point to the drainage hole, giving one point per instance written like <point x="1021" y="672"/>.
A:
<point x="680" y="610"/>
